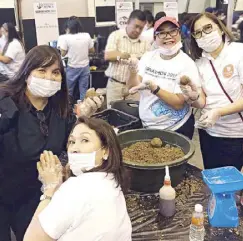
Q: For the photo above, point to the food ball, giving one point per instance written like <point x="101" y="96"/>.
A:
<point x="156" y="142"/>
<point x="184" y="80"/>
<point x="91" y="93"/>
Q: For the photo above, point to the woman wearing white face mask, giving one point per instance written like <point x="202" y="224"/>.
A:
<point x="12" y="52"/>
<point x="90" y="206"/>
<point x="34" y="116"/>
<point x="220" y="64"/>
<point x="162" y="104"/>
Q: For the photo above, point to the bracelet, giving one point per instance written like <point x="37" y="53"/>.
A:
<point x="155" y="92"/>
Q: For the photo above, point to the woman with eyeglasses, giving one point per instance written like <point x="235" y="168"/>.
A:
<point x="12" y="53"/>
<point x="34" y="116"/>
<point x="162" y="104"/>
<point x="220" y="63"/>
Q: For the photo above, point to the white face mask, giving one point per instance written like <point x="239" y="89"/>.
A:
<point x="4" y="37"/>
<point x="170" y="51"/>
<point x="80" y="162"/>
<point x="43" y="87"/>
<point x="210" y="42"/>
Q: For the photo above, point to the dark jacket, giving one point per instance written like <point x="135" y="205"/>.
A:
<point x="21" y="143"/>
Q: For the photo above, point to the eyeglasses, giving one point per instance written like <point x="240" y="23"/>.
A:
<point x="207" y="29"/>
<point x="163" y="34"/>
<point x="43" y="126"/>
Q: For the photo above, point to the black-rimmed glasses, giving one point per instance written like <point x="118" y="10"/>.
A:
<point x="207" y="29"/>
<point x="43" y="126"/>
<point x="163" y="34"/>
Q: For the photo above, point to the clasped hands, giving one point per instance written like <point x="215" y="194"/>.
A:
<point x="51" y="172"/>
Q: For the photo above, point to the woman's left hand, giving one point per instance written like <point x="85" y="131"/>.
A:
<point x="89" y="106"/>
<point x="146" y="85"/>
<point x="50" y="170"/>
<point x="208" y="119"/>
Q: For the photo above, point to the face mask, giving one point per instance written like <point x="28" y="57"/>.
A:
<point x="43" y="87"/>
<point x="171" y="51"/>
<point x="80" y="162"/>
<point x="4" y="37"/>
<point x="210" y="42"/>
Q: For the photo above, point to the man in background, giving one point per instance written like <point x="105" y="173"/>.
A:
<point x="123" y="45"/>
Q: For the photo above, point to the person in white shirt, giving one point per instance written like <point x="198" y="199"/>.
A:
<point x="77" y="45"/>
<point x="12" y="54"/>
<point x="89" y="206"/>
<point x="220" y="64"/>
<point x="148" y="31"/>
<point x="162" y="104"/>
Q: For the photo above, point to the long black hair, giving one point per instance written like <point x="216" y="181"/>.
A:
<point x="40" y="56"/>
<point x="114" y="163"/>
<point x="12" y="34"/>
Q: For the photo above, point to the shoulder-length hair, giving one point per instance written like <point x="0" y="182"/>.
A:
<point x="74" y="25"/>
<point x="38" y="57"/>
<point x="114" y="163"/>
<point x="196" y="52"/>
<point x="12" y="34"/>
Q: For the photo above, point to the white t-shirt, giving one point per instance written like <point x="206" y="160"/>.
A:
<point x="229" y="67"/>
<point x="148" y="35"/>
<point x="16" y="52"/>
<point x="78" y="46"/>
<point x="89" y="207"/>
<point x="153" y="111"/>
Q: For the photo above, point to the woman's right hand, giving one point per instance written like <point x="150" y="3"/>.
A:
<point x="189" y="90"/>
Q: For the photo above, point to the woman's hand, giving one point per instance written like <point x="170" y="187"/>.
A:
<point x="147" y="85"/>
<point x="189" y="90"/>
<point x="50" y="170"/>
<point x="89" y="106"/>
<point x="209" y="119"/>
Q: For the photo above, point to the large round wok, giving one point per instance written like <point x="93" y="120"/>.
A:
<point x="150" y="178"/>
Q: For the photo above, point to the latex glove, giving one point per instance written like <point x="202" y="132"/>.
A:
<point x="208" y="119"/>
<point x="147" y="85"/>
<point x="133" y="64"/>
<point x="50" y="170"/>
<point x="89" y="106"/>
<point x="189" y="90"/>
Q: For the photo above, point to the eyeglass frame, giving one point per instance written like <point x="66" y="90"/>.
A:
<point x="203" y="31"/>
<point x="167" y="32"/>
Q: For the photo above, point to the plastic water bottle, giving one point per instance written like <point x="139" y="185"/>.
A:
<point x="197" y="231"/>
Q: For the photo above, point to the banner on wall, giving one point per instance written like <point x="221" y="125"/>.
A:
<point x="123" y="11"/>
<point x="46" y="22"/>
<point x="171" y="8"/>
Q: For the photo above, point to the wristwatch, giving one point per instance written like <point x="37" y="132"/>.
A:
<point x="45" y="197"/>
<point x="156" y="91"/>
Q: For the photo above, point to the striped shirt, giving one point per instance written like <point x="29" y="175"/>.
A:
<point x="119" y="41"/>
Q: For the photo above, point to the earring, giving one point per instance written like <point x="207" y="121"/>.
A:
<point x="105" y="158"/>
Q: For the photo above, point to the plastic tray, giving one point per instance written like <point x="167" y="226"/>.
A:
<point x="224" y="179"/>
<point x="119" y="119"/>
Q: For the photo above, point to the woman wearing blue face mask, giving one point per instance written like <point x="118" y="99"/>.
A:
<point x="34" y="116"/>
<point x="162" y="104"/>
<point x="12" y="52"/>
<point x="220" y="63"/>
<point x="90" y="206"/>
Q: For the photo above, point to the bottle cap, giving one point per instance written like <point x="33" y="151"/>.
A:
<point x="198" y="208"/>
<point x="167" y="174"/>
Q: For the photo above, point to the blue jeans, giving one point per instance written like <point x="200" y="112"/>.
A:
<point x="80" y="75"/>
